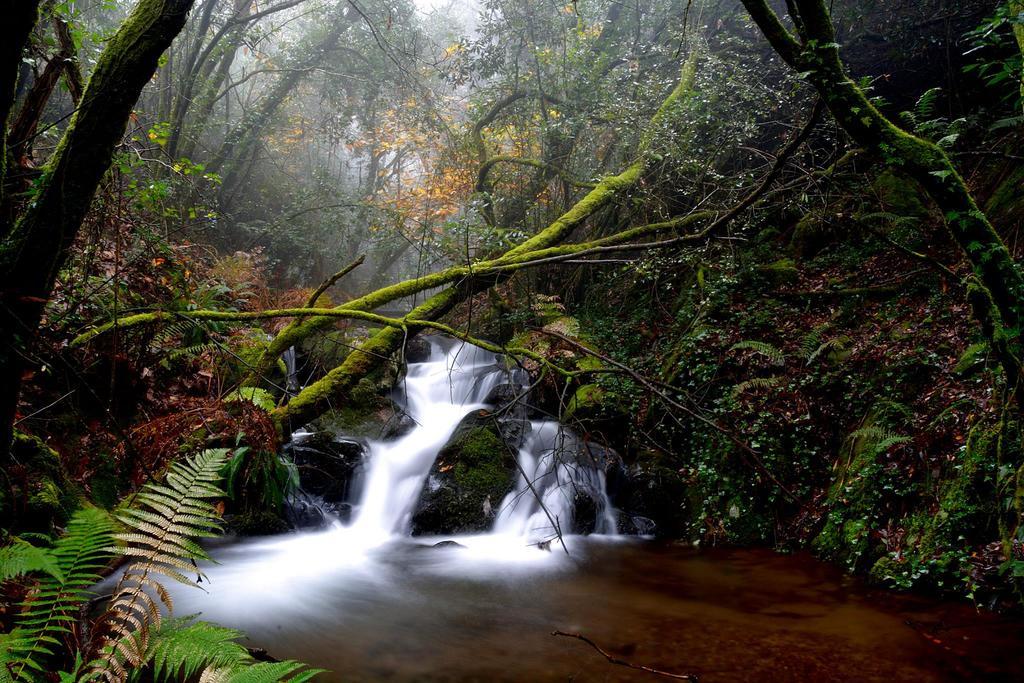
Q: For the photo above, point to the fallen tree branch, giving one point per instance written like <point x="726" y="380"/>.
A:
<point x="622" y="662"/>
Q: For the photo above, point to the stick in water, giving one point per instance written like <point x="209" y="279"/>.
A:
<point x="621" y="662"/>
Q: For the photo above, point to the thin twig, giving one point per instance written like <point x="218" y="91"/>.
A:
<point x="622" y="662"/>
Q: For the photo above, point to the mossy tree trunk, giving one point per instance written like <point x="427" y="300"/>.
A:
<point x="815" y="53"/>
<point x="37" y="247"/>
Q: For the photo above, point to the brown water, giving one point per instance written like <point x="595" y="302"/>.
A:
<point x="431" y="614"/>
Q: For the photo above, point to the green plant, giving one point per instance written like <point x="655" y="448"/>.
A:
<point x="159" y="534"/>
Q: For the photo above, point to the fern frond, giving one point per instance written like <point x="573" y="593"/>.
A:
<point x="80" y="555"/>
<point x="20" y="558"/>
<point x="262" y="672"/>
<point x="834" y="344"/>
<point x="160" y="541"/>
<point x="179" y="650"/>
<point x="755" y="384"/>
<point x="765" y="349"/>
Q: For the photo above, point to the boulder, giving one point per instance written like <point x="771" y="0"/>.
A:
<point x="417" y="350"/>
<point x="400" y="424"/>
<point x="467" y="482"/>
<point x="326" y="464"/>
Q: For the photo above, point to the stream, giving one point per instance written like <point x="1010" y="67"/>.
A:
<point x="370" y="602"/>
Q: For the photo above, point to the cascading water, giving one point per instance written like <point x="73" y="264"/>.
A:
<point x="453" y="381"/>
<point x="372" y="559"/>
<point x="438" y="394"/>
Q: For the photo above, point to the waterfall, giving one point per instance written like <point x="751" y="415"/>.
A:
<point x="454" y="380"/>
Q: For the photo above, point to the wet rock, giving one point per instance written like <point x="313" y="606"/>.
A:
<point x="304" y="514"/>
<point x="514" y="432"/>
<point x="636" y="525"/>
<point x="653" y="497"/>
<point x="507" y="399"/>
<point x="398" y="426"/>
<point x="447" y="544"/>
<point x="584" y="512"/>
<point x="472" y="474"/>
<point x="417" y="350"/>
<point x="326" y="464"/>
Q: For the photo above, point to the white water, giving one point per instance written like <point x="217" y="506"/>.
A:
<point x="278" y="578"/>
<point x="438" y="393"/>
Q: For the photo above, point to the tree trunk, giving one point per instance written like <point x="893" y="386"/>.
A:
<point x="33" y="254"/>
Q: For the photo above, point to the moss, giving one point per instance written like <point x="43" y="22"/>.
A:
<point x="780" y="272"/>
<point x="1007" y="202"/>
<point x="899" y="194"/>
<point x="474" y="468"/>
<point x="39" y="479"/>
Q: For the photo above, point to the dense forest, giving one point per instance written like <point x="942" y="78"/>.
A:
<point x="650" y="293"/>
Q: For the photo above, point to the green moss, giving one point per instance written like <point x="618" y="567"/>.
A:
<point x="899" y="194"/>
<point x="780" y="272"/>
<point x="1007" y="202"/>
<point x="40" y="480"/>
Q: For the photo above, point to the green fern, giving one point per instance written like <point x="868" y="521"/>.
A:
<point x="755" y="384"/>
<point x="261" y="398"/>
<point x="80" y="556"/>
<point x="765" y="349"/>
<point x="20" y="558"/>
<point x="263" y="672"/>
<point x="179" y="650"/>
<point x="836" y="345"/>
<point x="160" y="539"/>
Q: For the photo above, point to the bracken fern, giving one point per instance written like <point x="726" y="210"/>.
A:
<point x="159" y="538"/>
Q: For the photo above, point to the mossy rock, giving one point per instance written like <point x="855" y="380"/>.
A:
<point x="781" y="272"/>
<point x="364" y="415"/>
<point x="899" y="194"/>
<point x="594" y="409"/>
<point x="811" y="235"/>
<point x="42" y="496"/>
<point x="257" y="523"/>
<point x="468" y="481"/>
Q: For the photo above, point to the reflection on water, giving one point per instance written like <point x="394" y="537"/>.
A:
<point x="406" y="611"/>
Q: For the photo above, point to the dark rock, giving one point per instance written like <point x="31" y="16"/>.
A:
<point x="470" y="477"/>
<point x="608" y="461"/>
<point x="398" y="426"/>
<point x="514" y="432"/>
<point x="448" y="544"/>
<point x="656" y="496"/>
<point x="304" y="514"/>
<point x="326" y="464"/>
<point x="636" y="525"/>
<point x="417" y="350"/>
<point x="584" y="512"/>
<point x="505" y="397"/>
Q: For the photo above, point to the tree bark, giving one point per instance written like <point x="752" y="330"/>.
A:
<point x="38" y="246"/>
